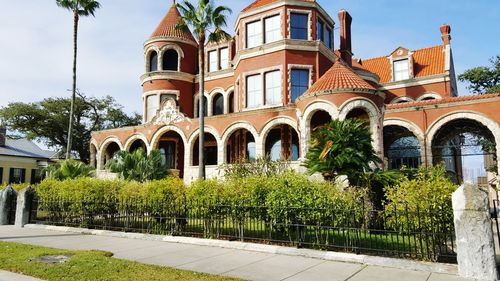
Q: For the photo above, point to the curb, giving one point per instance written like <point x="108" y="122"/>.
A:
<point x="269" y="249"/>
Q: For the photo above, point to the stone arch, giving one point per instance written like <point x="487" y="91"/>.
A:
<point x="93" y="153"/>
<point x="429" y="95"/>
<point x="305" y="122"/>
<point x="164" y="49"/>
<point x="196" y="104"/>
<point x="147" y="57"/>
<point x="211" y="100"/>
<point x="261" y="141"/>
<point x="104" y="146"/>
<point x="232" y="129"/>
<point x="412" y="128"/>
<point x="157" y="136"/>
<point x="229" y="100"/>
<point x="135" y="137"/>
<point x="402" y="99"/>
<point x="194" y="137"/>
<point x="490" y="124"/>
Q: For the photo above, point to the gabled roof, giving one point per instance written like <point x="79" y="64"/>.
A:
<point x="24" y="148"/>
<point x="166" y="28"/>
<point x="426" y="62"/>
<point x="340" y="78"/>
<point x="261" y="3"/>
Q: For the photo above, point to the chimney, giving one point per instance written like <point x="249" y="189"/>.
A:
<point x="345" y="37"/>
<point x="3" y="135"/>
<point x="445" y="34"/>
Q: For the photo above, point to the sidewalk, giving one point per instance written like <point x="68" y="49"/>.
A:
<point x="227" y="262"/>
<point x="9" y="276"/>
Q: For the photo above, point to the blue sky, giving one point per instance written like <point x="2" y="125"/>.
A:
<point x="36" y="46"/>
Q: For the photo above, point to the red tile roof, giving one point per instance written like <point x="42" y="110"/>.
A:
<point x="340" y="78"/>
<point x="166" y="28"/>
<point x="442" y="101"/>
<point x="261" y="3"/>
<point x="426" y="62"/>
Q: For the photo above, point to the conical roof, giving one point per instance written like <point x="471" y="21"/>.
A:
<point x="340" y="78"/>
<point x="166" y="28"/>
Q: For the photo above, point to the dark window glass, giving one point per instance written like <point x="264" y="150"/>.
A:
<point x="17" y="175"/>
<point x="218" y="107"/>
<point x="167" y="152"/>
<point x="328" y="38"/>
<point x="320" y="35"/>
<point x="1" y="175"/>
<point x="153" y="61"/>
<point x="36" y="176"/>
<point x="231" y="102"/>
<point x="170" y="60"/>
<point x="298" y="26"/>
<point x="300" y="82"/>
<point x="211" y="155"/>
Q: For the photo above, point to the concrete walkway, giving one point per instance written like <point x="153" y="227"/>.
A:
<point x="227" y="262"/>
<point x="9" y="276"/>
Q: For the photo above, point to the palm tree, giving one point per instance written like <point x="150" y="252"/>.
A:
<point x="138" y="165"/>
<point x="79" y="8"/>
<point x="68" y="169"/>
<point x="206" y="19"/>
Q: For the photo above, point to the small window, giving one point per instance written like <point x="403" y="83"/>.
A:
<point x="36" y="176"/>
<point x="17" y="176"/>
<point x="254" y="91"/>
<point x="224" y="58"/>
<point x="328" y="38"/>
<point x="300" y="83"/>
<point x="153" y="61"/>
<point x="170" y="60"/>
<point x="273" y="29"/>
<point x="273" y="87"/>
<point x="231" y="102"/>
<point x="151" y="107"/>
<point x="254" y="34"/>
<point x="298" y="26"/>
<point x="401" y="70"/>
<point x="213" y="62"/>
<point x="218" y="106"/>
<point x="320" y="36"/>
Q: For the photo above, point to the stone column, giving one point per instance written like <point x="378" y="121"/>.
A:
<point x="7" y="195"/>
<point x="474" y="236"/>
<point x="24" y="202"/>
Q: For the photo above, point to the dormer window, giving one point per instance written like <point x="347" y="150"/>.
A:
<point x="224" y="58"/>
<point x="213" y="61"/>
<point x="254" y="34"/>
<point x="298" y="26"/>
<point x="401" y="70"/>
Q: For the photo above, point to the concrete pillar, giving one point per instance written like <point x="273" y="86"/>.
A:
<point x="474" y="236"/>
<point x="7" y="195"/>
<point x="25" y="199"/>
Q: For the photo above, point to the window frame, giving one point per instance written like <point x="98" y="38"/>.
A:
<point x="279" y="86"/>
<point x="307" y="69"/>
<point x="212" y="62"/>
<point x="396" y="72"/>
<point x="260" y="34"/>
<point x="307" y="14"/>
<point x="320" y="36"/>
<point x="266" y="31"/>
<point x="224" y="58"/>
<point x="259" y="90"/>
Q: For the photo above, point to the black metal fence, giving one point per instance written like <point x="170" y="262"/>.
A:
<point x="401" y="232"/>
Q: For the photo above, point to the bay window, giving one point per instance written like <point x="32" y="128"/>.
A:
<point x="298" y="26"/>
<point x="254" y="34"/>
<point x="300" y="83"/>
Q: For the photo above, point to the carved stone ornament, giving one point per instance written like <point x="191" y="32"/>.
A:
<point x="169" y="114"/>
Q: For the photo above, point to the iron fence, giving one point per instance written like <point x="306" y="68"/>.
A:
<point x="399" y="232"/>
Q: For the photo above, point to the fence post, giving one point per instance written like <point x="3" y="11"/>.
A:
<point x="25" y="198"/>
<point x="474" y="236"/>
<point x="7" y="195"/>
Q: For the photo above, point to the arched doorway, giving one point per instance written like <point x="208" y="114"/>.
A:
<point x="401" y="148"/>
<point x="240" y="147"/>
<point x="210" y="147"/>
<point x="467" y="148"/>
<point x="171" y="147"/>
<point x="282" y="143"/>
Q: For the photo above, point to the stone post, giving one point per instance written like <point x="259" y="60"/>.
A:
<point x="7" y="195"/>
<point x="24" y="202"/>
<point x="474" y="236"/>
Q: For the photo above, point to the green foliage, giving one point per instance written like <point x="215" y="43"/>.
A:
<point x="68" y="169"/>
<point x="138" y="166"/>
<point x="260" y="166"/>
<point x="47" y="120"/>
<point x="80" y="7"/>
<point x="341" y="148"/>
<point x="483" y="79"/>
<point x="427" y="193"/>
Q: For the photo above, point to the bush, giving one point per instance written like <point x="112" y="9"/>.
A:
<point x="68" y="169"/>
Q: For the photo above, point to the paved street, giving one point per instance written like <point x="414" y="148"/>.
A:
<point x="228" y="262"/>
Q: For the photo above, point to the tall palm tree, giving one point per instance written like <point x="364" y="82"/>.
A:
<point x="206" y="19"/>
<point x="79" y="8"/>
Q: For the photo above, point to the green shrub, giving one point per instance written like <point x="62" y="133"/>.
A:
<point x="68" y="169"/>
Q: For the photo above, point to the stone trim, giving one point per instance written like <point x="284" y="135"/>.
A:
<point x="102" y="150"/>
<point x="261" y="18"/>
<point x="429" y="95"/>
<point x="262" y="73"/>
<point x="413" y="128"/>
<point x="169" y="39"/>
<point x="305" y="120"/>
<point x="309" y="23"/>
<point x="180" y="55"/>
<point x="158" y="94"/>
<point x="419" y="81"/>
<point x="402" y="98"/>
<point x="239" y="125"/>
<point x="192" y="140"/>
<point x="281" y="120"/>
<point x="167" y="75"/>
<point x="289" y="82"/>
<point x="155" y="140"/>
<point x="133" y="138"/>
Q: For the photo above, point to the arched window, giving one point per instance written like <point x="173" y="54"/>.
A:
<point x="231" y="103"/>
<point x="153" y="61"/>
<point x="218" y="105"/>
<point x="171" y="60"/>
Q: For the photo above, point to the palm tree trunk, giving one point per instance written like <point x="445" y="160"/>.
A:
<point x="201" y="63"/>
<point x="73" y="96"/>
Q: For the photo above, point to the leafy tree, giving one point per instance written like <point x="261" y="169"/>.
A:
<point x="138" y="166"/>
<point x="79" y="8"/>
<point x="204" y="19"/>
<point x="47" y="121"/>
<point x="342" y="148"/>
<point x="68" y="169"/>
<point x="483" y="79"/>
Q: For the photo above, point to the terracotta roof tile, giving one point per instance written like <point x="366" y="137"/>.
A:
<point x="340" y="78"/>
<point x="166" y="28"/>
<point x="426" y="62"/>
<point x="261" y="3"/>
<point x="441" y="101"/>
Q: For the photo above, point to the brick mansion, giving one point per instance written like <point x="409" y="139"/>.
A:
<point x="280" y="77"/>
